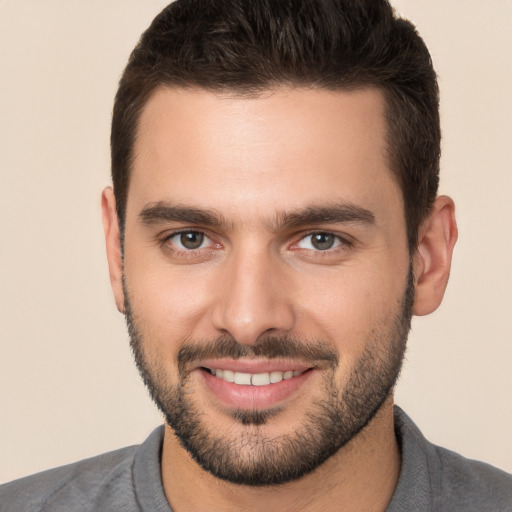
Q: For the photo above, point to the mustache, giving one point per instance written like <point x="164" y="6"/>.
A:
<point x="269" y="347"/>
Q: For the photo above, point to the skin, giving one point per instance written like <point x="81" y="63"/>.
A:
<point x="254" y="160"/>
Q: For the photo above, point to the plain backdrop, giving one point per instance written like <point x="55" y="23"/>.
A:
<point x="68" y="387"/>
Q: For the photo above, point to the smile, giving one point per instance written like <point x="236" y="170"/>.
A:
<point x="254" y="384"/>
<point x="254" y="379"/>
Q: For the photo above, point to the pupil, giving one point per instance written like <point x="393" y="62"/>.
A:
<point x="192" y="240"/>
<point x="322" y="241"/>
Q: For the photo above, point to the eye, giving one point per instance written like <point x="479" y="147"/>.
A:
<point x="189" y="240"/>
<point x="320" y="241"/>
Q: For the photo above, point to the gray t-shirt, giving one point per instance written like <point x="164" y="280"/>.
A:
<point x="431" y="479"/>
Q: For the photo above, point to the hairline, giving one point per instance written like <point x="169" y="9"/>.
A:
<point x="262" y="92"/>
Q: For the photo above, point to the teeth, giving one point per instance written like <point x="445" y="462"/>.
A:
<point x="255" y="379"/>
<point x="276" y="377"/>
<point x="260" y="379"/>
<point x="228" y="375"/>
<point x="243" y="378"/>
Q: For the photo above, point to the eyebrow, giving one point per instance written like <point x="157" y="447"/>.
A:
<point x="159" y="212"/>
<point x="338" y="213"/>
<point x="341" y="213"/>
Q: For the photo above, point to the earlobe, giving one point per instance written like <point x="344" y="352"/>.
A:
<point x="113" y="245"/>
<point x="433" y="256"/>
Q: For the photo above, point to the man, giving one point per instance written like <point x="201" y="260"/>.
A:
<point x="274" y="224"/>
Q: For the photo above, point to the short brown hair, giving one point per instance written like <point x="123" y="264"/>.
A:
<point x="251" y="46"/>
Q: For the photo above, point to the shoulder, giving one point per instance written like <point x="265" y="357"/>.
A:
<point x="442" y="480"/>
<point x="471" y="484"/>
<point x="78" y="484"/>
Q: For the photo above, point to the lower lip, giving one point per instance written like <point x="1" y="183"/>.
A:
<point x="246" y="397"/>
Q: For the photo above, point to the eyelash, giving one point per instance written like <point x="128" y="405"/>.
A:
<point x="165" y="243"/>
<point x="342" y="243"/>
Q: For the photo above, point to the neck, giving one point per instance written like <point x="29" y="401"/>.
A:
<point x="361" y="476"/>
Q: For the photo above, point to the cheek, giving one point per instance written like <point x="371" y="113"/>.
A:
<point x="169" y="303"/>
<point x="171" y="306"/>
<point x="346" y="306"/>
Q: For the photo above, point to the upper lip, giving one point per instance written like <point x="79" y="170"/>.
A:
<point x="255" y="365"/>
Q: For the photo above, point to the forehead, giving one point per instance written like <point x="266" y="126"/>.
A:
<point x="280" y="150"/>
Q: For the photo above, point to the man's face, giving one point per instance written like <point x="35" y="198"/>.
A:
<point x="265" y="244"/>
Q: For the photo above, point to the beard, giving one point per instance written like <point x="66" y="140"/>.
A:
<point x="248" y="456"/>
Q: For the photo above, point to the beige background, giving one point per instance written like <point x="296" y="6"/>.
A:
<point x="68" y="388"/>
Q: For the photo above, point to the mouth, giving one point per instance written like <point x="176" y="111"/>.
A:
<point x="251" y="384"/>
<point x="253" y="379"/>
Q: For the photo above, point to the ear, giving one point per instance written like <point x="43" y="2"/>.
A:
<point x="433" y="256"/>
<point x="113" y="243"/>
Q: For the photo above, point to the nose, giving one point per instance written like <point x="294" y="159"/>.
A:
<point x="253" y="298"/>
